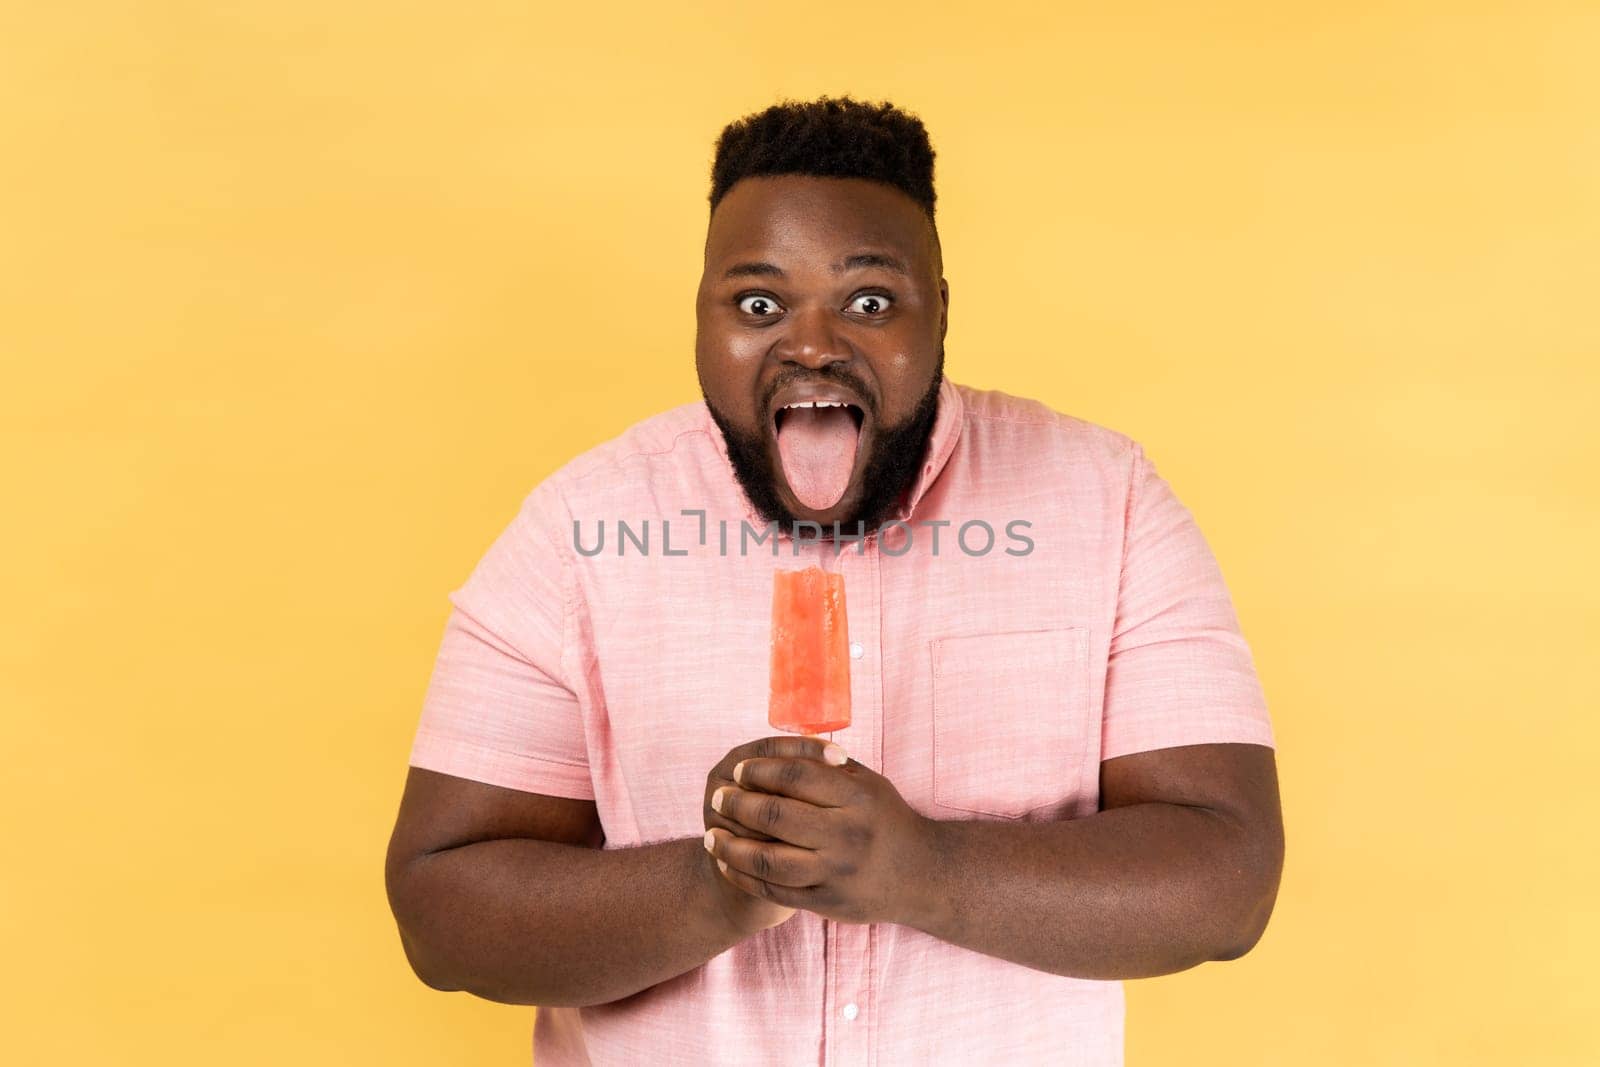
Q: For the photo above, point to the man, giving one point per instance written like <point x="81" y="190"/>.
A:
<point x="1059" y="771"/>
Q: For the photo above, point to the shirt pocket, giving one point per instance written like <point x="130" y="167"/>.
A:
<point x="1012" y="729"/>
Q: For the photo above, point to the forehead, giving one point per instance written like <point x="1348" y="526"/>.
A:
<point x="801" y="217"/>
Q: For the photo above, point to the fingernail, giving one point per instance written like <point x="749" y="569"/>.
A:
<point x="716" y="799"/>
<point x="724" y="867"/>
<point x="738" y="772"/>
<point x="835" y="755"/>
<point x="710" y="840"/>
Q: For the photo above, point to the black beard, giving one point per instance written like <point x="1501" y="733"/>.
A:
<point x="891" y="469"/>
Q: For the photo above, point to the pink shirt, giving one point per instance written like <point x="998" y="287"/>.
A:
<point x="988" y="681"/>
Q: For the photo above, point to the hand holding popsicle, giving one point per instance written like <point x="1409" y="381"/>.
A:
<point x="753" y="913"/>
<point x="844" y="842"/>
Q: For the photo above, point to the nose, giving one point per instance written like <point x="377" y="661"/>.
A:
<point x="811" y="340"/>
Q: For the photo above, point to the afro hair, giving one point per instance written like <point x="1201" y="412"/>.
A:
<point x="831" y="137"/>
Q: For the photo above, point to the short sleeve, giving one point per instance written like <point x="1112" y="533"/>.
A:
<point x="499" y="708"/>
<point x="1178" y="671"/>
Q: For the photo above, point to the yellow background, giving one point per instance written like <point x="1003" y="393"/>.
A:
<point x="298" y="300"/>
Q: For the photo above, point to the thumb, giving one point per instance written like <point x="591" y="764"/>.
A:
<point x="831" y="751"/>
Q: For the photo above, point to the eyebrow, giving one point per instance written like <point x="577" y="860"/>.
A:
<point x="759" y="268"/>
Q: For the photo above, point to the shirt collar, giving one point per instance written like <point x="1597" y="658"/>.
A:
<point x="947" y="422"/>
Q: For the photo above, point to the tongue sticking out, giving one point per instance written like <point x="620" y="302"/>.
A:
<point x="818" y="449"/>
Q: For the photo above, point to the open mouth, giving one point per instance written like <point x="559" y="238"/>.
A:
<point x="818" y="442"/>
<point x="855" y="413"/>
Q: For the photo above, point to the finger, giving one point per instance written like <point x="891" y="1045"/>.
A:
<point x="778" y="894"/>
<point x="775" y="863"/>
<point x="790" y="746"/>
<point x="712" y="818"/>
<point x="794" y="822"/>
<point x="738" y="829"/>
<point x="807" y="746"/>
<point x="803" y="779"/>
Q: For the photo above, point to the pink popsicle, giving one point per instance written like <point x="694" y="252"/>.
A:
<point x="810" y="652"/>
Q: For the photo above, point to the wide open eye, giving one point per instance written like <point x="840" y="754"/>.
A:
<point x="758" y="305"/>
<point x="870" y="304"/>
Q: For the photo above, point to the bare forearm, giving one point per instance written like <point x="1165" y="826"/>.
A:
<point x="1132" y="892"/>
<point x="521" y="921"/>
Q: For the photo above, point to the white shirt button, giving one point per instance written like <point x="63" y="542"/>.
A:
<point x="851" y="1011"/>
<point x="855" y="650"/>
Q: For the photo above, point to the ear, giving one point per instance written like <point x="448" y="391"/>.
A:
<point x="944" y="307"/>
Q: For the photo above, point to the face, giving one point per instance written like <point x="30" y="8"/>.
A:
<point x="821" y="318"/>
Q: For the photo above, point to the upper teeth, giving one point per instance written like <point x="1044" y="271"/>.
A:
<point x="818" y="404"/>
